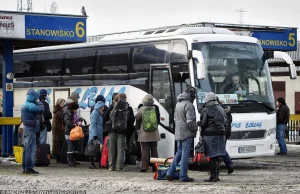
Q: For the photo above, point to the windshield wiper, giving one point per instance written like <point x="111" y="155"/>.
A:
<point x="260" y="102"/>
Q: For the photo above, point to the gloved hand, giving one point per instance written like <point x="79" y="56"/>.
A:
<point x="198" y="123"/>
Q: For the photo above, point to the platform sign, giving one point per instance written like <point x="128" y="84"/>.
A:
<point x="12" y="26"/>
<point x="279" y="41"/>
<point x="55" y="28"/>
<point x="42" y="27"/>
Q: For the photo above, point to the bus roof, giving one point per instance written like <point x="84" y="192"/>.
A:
<point x="143" y="36"/>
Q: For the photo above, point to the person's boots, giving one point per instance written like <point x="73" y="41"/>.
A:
<point x="92" y="164"/>
<point x="213" y="171"/>
<point x="58" y="160"/>
<point x="218" y="169"/>
<point x="71" y="161"/>
<point x="74" y="160"/>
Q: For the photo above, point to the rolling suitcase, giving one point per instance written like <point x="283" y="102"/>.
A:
<point x="42" y="155"/>
<point x="104" y="156"/>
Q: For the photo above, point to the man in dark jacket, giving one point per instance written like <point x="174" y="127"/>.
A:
<point x="185" y="131"/>
<point x="47" y="117"/>
<point x="283" y="117"/>
<point x="29" y="114"/>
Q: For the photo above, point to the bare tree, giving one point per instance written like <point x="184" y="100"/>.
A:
<point x="53" y="7"/>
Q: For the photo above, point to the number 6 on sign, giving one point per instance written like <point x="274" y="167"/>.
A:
<point x="80" y="32"/>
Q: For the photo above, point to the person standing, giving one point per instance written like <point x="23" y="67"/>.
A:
<point x="148" y="119"/>
<point x="283" y="117"/>
<point x="47" y="116"/>
<point x="121" y="118"/>
<point x="69" y="124"/>
<point x="58" y="136"/>
<point x="96" y="130"/>
<point x="213" y="122"/>
<point x="185" y="130"/>
<point x="29" y="114"/>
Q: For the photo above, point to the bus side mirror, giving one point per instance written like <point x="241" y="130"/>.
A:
<point x="199" y="62"/>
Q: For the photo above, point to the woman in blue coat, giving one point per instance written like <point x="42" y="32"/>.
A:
<point x="96" y="128"/>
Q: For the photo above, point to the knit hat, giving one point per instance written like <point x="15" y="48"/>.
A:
<point x="210" y="96"/>
<point x="100" y="98"/>
<point x="122" y="96"/>
<point x="43" y="92"/>
<point x="148" y="100"/>
<point x="75" y="95"/>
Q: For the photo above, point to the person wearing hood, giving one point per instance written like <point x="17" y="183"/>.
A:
<point x="47" y="116"/>
<point x="185" y="131"/>
<point x="98" y="99"/>
<point x="213" y="122"/>
<point x="148" y="138"/>
<point x="226" y="157"/>
<point x="58" y="136"/>
<point x="31" y="125"/>
<point x="74" y="98"/>
<point x="96" y="128"/>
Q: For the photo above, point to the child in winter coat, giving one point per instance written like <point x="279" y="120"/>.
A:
<point x="96" y="128"/>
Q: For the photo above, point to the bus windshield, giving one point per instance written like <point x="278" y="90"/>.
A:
<point x="238" y="73"/>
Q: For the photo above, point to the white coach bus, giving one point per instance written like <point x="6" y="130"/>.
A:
<point x="161" y="62"/>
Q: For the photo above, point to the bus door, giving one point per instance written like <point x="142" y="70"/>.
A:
<point x="161" y="87"/>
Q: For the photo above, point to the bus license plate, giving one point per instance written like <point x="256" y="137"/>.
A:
<point x="248" y="149"/>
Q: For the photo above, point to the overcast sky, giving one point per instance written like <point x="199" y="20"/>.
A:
<point x="106" y="16"/>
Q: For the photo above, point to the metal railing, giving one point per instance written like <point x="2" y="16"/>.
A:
<point x="293" y="129"/>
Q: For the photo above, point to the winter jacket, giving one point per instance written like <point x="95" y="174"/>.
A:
<point x="30" y="110"/>
<point x="57" y="131"/>
<point x="96" y="127"/>
<point x="46" y="114"/>
<point x="69" y="123"/>
<point x="213" y="120"/>
<point x="185" y="118"/>
<point x="147" y="136"/>
<point x="58" y="135"/>
<point x="283" y="114"/>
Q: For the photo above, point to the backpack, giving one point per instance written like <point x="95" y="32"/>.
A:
<point x="119" y="116"/>
<point x="149" y="119"/>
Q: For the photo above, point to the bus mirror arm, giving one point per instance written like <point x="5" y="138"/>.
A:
<point x="289" y="61"/>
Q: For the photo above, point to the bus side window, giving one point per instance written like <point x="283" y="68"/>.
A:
<point x="113" y="60"/>
<point x="142" y="56"/>
<point x="80" y="62"/>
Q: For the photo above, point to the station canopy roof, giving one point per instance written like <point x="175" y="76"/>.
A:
<point x="30" y="30"/>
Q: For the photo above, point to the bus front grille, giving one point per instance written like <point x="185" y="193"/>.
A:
<point x="240" y="135"/>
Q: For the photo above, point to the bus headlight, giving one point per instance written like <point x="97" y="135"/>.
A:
<point x="271" y="131"/>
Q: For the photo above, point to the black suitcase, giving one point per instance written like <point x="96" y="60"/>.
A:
<point x="42" y="155"/>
